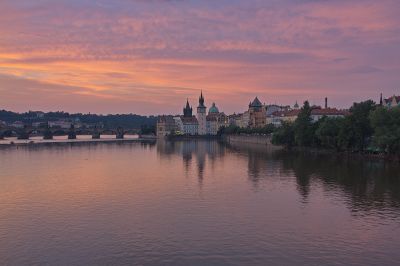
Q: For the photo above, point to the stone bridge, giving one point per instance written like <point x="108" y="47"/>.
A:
<point x="48" y="133"/>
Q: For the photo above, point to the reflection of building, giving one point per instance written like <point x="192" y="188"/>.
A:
<point x="196" y="154"/>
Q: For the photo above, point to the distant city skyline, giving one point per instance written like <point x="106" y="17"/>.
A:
<point x="148" y="57"/>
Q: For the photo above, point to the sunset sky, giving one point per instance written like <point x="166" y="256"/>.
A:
<point x="148" y="56"/>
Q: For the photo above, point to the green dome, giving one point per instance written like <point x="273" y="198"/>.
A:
<point x="213" y="109"/>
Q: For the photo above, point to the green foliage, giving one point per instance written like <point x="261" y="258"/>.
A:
<point x="127" y="121"/>
<point x="23" y="134"/>
<point x="328" y="132"/>
<point x="48" y="134"/>
<point x="304" y="129"/>
<point x="386" y="126"/>
<point x="147" y="130"/>
<point x="356" y="130"/>
<point x="284" y="135"/>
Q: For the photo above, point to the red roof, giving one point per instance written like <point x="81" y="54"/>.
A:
<point x="189" y="120"/>
<point x="166" y="119"/>
<point x="391" y="99"/>
<point x="286" y="113"/>
<point x="328" y="111"/>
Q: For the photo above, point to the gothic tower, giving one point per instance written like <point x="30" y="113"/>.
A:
<point x="202" y="116"/>
<point x="187" y="111"/>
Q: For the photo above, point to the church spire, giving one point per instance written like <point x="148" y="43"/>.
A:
<point x="201" y="99"/>
<point x="187" y="111"/>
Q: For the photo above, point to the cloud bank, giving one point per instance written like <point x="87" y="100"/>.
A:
<point x="149" y="56"/>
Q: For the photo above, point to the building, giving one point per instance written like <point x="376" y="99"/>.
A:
<point x="272" y="108"/>
<point x="215" y="120"/>
<point x="278" y="117"/>
<point x="212" y="125"/>
<point x="60" y="124"/>
<point x="318" y="113"/>
<point x="187" y="124"/>
<point x="2" y="124"/>
<point x="39" y="124"/>
<point x="18" y="124"/>
<point x="165" y="126"/>
<point x="257" y="114"/>
<point x="391" y="102"/>
<point x="202" y="116"/>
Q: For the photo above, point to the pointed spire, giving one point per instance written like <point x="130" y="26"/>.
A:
<point x="201" y="99"/>
<point x="381" y="101"/>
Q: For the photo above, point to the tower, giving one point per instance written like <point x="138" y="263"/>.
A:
<point x="326" y="102"/>
<point x="202" y="116"/>
<point x="187" y="111"/>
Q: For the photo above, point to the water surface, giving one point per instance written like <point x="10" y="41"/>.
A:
<point x="194" y="203"/>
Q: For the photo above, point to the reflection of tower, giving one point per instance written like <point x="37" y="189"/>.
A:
<point x="254" y="167"/>
<point x="187" y="159"/>
<point x="201" y="151"/>
<point x="201" y="116"/>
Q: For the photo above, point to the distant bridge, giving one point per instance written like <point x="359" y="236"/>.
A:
<point x="49" y="133"/>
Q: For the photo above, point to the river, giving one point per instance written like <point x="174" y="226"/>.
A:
<point x="194" y="203"/>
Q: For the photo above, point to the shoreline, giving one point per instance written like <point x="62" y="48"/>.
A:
<point x="265" y="143"/>
<point x="7" y="143"/>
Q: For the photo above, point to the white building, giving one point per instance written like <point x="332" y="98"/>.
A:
<point x="60" y="123"/>
<point x="18" y="124"/>
<point x="391" y="102"/>
<point x="318" y="113"/>
<point x="202" y="116"/>
<point x="190" y="125"/>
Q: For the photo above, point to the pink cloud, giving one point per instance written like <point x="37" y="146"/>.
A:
<point x="160" y="52"/>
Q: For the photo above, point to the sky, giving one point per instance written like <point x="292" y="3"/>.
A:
<point x="149" y="56"/>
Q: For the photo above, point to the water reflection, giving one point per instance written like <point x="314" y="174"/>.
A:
<point x="203" y="152"/>
<point x="364" y="184"/>
<point x="194" y="203"/>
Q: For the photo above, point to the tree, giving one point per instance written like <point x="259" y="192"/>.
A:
<point x="284" y="135"/>
<point x="47" y="134"/>
<point x="303" y="128"/>
<point x="328" y="131"/>
<point x="147" y="130"/>
<point x="356" y="130"/>
<point x="386" y="126"/>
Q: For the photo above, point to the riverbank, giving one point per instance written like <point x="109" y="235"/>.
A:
<point x="259" y="140"/>
<point x="11" y="142"/>
<point x="265" y="140"/>
<point x="347" y="154"/>
<point x="194" y="137"/>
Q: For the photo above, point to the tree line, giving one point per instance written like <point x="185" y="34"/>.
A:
<point x="127" y="121"/>
<point x="368" y="128"/>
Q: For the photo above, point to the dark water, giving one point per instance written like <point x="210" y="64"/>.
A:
<point x="194" y="203"/>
